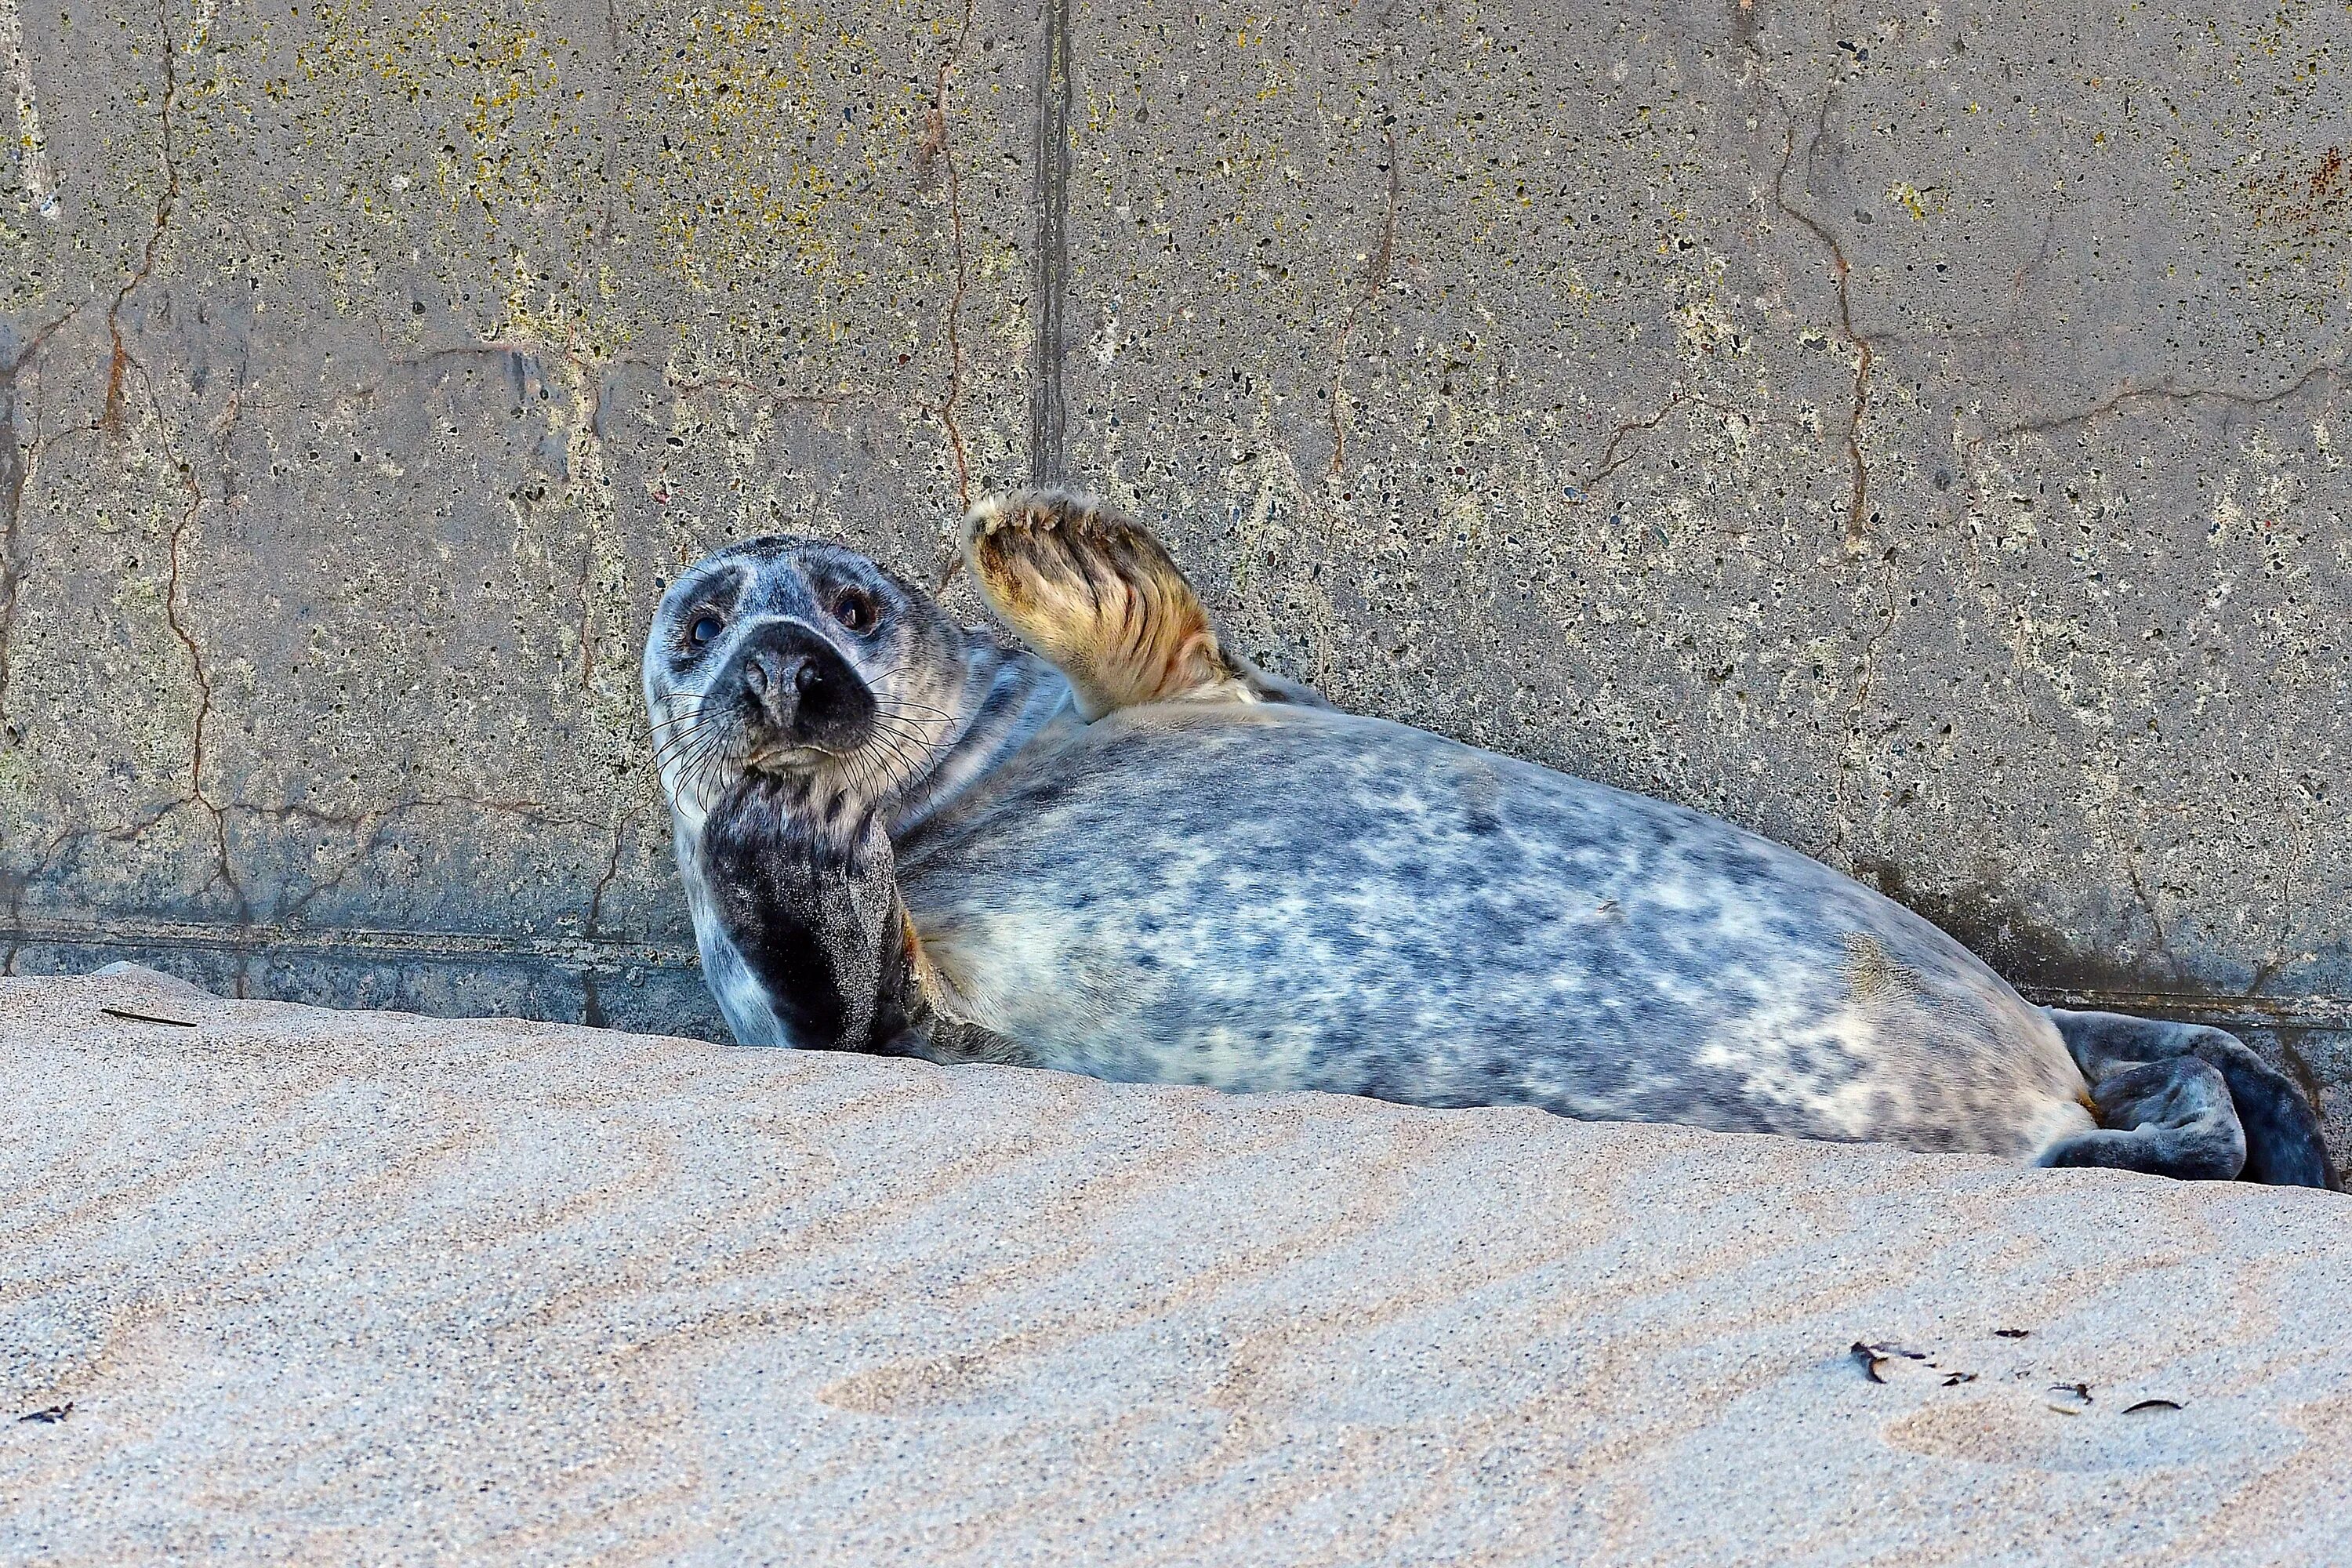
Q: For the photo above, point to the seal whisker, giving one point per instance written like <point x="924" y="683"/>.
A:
<point x="869" y="751"/>
<point x="874" y="775"/>
<point x="888" y="710"/>
<point x="692" y="782"/>
<point x="905" y="730"/>
<point x="901" y="724"/>
<point x="893" y="739"/>
<point x="680" y="727"/>
<point x="911" y="764"/>
<point x="677" y="745"/>
<point x="673" y="781"/>
<point x="691" y="767"/>
<point x="901" y="734"/>
<point x="689" y="726"/>
<point x="699" y="721"/>
<point x="894" y="703"/>
<point x="883" y="679"/>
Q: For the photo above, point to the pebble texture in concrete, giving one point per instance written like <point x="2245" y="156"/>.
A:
<point x="1912" y="434"/>
<point x="285" y="1284"/>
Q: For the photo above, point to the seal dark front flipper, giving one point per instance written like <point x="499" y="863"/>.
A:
<point x="818" y="920"/>
<point x="2177" y="1099"/>
<point x="1095" y="593"/>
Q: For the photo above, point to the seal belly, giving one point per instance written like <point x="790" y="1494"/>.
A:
<point x="1265" y="899"/>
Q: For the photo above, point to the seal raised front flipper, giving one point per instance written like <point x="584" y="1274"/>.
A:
<point x="1093" y="592"/>
<point x="2187" y="1100"/>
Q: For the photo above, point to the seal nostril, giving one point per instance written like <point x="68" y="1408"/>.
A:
<point x="804" y="675"/>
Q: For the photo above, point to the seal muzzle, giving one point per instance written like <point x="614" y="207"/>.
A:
<point x="794" y="690"/>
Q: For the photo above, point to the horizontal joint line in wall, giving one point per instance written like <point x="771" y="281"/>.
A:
<point x="263" y="939"/>
<point x="604" y="954"/>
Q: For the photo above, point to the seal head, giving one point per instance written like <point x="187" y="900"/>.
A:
<point x="795" y="689"/>
<point x="806" y="704"/>
<point x="804" y="665"/>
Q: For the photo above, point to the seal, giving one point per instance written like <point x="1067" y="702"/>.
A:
<point x="1107" y="844"/>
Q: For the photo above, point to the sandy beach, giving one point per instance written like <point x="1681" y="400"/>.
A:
<point x="286" y="1284"/>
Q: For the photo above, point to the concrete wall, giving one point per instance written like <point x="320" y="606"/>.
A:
<point x="1912" y="434"/>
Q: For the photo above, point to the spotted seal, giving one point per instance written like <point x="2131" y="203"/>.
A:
<point x="1105" y="843"/>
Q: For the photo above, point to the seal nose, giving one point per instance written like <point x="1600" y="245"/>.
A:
<point x="787" y="676"/>
<point x="798" y="688"/>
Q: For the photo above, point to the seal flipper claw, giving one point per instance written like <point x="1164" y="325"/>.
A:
<point x="1097" y="596"/>
<point x="2177" y="1099"/>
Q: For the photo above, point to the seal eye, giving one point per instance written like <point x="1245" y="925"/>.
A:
<point x="854" y="610"/>
<point x="705" y="628"/>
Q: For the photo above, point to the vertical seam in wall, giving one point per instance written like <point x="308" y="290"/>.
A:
<point x="1054" y="155"/>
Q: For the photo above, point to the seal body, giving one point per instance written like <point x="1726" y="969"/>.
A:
<point x="1275" y="897"/>
<point x="1131" y="853"/>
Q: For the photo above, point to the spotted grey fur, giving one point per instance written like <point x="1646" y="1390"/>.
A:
<point x="1271" y="895"/>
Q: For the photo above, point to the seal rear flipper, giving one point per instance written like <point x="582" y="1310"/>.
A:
<point x="2167" y="1118"/>
<point x="1097" y="596"/>
<point x="2278" y="1128"/>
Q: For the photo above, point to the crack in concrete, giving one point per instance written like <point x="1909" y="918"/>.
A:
<point x="2299" y="1065"/>
<point x="2155" y="920"/>
<point x="2267" y="972"/>
<point x="2166" y="390"/>
<point x="1376" y="264"/>
<point x="1857" y="520"/>
<point x="367" y="826"/>
<point x="587" y="619"/>
<point x="612" y="132"/>
<point x="935" y="144"/>
<point x="367" y="830"/>
<point x="174" y="596"/>
<point x="111" y="420"/>
<point x="1048" y="412"/>
<point x="528" y="356"/>
<point x="2311" y="1010"/>
<point x="394" y="944"/>
<point x="726" y="381"/>
<point x="596" y="912"/>
<point x="16" y="471"/>
<point x="1681" y="396"/>
<point x="1851" y="761"/>
<point x="592" y="1005"/>
<point x="284" y="927"/>
<point x="19" y="884"/>
<point x="1610" y="461"/>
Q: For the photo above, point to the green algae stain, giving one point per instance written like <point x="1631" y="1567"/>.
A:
<point x="777" y="124"/>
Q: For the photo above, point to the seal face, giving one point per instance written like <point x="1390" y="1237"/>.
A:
<point x="801" y="663"/>
<point x="1148" y="860"/>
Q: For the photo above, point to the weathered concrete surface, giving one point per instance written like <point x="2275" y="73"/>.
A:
<point x="372" y="1286"/>
<point x="377" y="366"/>
<point x="1912" y="434"/>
